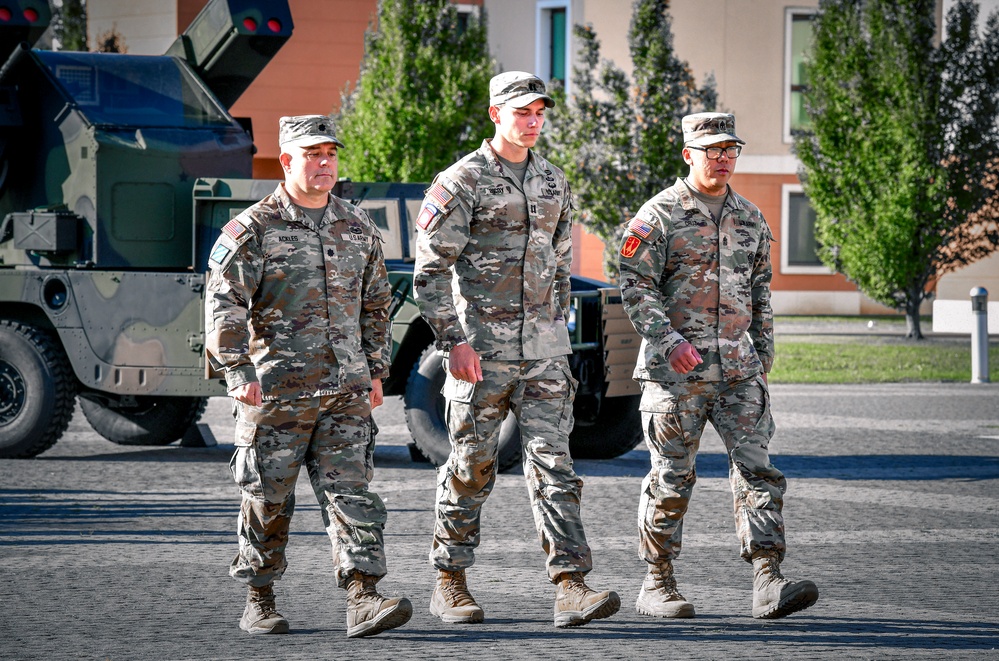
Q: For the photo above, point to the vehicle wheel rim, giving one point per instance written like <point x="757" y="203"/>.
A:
<point x="12" y="393"/>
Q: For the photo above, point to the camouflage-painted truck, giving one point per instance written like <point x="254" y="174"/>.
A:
<point x="117" y="173"/>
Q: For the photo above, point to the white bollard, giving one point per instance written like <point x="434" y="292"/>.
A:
<point x="979" y="335"/>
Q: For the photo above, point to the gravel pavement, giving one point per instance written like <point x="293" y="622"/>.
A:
<point x="893" y="510"/>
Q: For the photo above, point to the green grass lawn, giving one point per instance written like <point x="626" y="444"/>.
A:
<point x="853" y="362"/>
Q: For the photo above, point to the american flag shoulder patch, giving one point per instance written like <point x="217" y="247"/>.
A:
<point x="640" y="227"/>
<point x="441" y="195"/>
<point x="234" y="229"/>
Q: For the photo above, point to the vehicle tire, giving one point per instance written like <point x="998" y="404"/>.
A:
<point x="37" y="391"/>
<point x="154" y="421"/>
<point x="616" y="430"/>
<point x="424" y="406"/>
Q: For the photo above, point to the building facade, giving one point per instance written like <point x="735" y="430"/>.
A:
<point x="753" y="49"/>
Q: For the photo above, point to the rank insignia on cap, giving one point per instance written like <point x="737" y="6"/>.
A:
<point x="640" y="227"/>
<point x="440" y="194"/>
<point x="630" y="246"/>
<point x="234" y="229"/>
<point x="427" y="215"/>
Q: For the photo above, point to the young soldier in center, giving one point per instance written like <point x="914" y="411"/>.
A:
<point x="492" y="280"/>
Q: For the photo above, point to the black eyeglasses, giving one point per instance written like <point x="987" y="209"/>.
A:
<point x="714" y="153"/>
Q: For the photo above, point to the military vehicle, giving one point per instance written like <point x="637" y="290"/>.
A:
<point x="117" y="173"/>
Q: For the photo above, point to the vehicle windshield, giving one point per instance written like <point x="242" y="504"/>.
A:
<point x="134" y="91"/>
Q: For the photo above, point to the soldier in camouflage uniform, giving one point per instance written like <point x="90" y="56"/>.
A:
<point x="492" y="280"/>
<point x="297" y="318"/>
<point x="695" y="280"/>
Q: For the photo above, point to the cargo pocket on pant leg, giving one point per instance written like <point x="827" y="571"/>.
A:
<point x="462" y="393"/>
<point x="566" y="420"/>
<point x="245" y="462"/>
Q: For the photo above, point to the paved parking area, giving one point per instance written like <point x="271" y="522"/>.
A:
<point x="893" y="510"/>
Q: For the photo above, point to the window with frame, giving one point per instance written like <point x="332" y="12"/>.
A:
<point x="799" y="246"/>
<point x="552" y="40"/>
<point x="465" y="13"/>
<point x="797" y="44"/>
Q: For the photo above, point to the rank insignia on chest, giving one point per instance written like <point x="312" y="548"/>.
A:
<point x="441" y="195"/>
<point x="630" y="246"/>
<point x="234" y="229"/>
<point x="640" y="227"/>
<point x="427" y="215"/>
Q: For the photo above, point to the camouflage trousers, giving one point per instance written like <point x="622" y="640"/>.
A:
<point x="673" y="418"/>
<point x="540" y="394"/>
<point x="332" y="436"/>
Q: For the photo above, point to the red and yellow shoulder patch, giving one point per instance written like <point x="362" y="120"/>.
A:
<point x="630" y="246"/>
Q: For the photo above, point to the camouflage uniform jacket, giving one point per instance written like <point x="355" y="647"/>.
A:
<point x="686" y="277"/>
<point x="301" y="308"/>
<point x="492" y="258"/>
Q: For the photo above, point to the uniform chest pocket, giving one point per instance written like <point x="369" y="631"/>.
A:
<point x="289" y="247"/>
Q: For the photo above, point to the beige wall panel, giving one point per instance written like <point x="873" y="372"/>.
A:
<point x="511" y="33"/>
<point x="148" y="26"/>
<point x="611" y="19"/>
<point x="983" y="273"/>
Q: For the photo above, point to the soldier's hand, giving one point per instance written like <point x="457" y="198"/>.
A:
<point x="248" y="393"/>
<point x="684" y="358"/>
<point x="464" y="363"/>
<point x="377" y="394"/>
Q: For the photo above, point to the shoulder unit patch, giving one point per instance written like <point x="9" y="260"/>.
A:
<point x="427" y="215"/>
<point x="630" y="246"/>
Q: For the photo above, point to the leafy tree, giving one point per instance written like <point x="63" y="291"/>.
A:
<point x="619" y="141"/>
<point x="70" y="25"/>
<point x="422" y="98"/>
<point x="111" y="41"/>
<point x="901" y="162"/>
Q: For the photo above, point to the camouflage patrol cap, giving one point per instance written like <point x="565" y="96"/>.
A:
<point x="517" y="89"/>
<point x="709" y="128"/>
<point x="307" y="131"/>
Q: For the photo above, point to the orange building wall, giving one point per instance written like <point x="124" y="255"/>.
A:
<point x="764" y="190"/>
<point x="308" y="74"/>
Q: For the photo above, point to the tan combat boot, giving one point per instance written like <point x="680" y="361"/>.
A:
<point x="260" y="614"/>
<point x="576" y="604"/>
<point x="369" y="613"/>
<point x="452" y="601"/>
<point x="659" y="596"/>
<point x="773" y="595"/>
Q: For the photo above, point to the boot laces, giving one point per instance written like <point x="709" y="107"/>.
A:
<point x="664" y="579"/>
<point x="770" y="569"/>
<point x="263" y="600"/>
<point x="574" y="584"/>
<point x="364" y="589"/>
<point x="455" y="589"/>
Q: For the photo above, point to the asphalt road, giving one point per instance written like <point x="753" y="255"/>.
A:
<point x="893" y="510"/>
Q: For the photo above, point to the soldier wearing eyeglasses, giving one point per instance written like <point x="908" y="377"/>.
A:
<point x="695" y="281"/>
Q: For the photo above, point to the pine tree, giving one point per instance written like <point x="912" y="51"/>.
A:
<point x="422" y="98"/>
<point x="70" y="25"/>
<point x="619" y="141"/>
